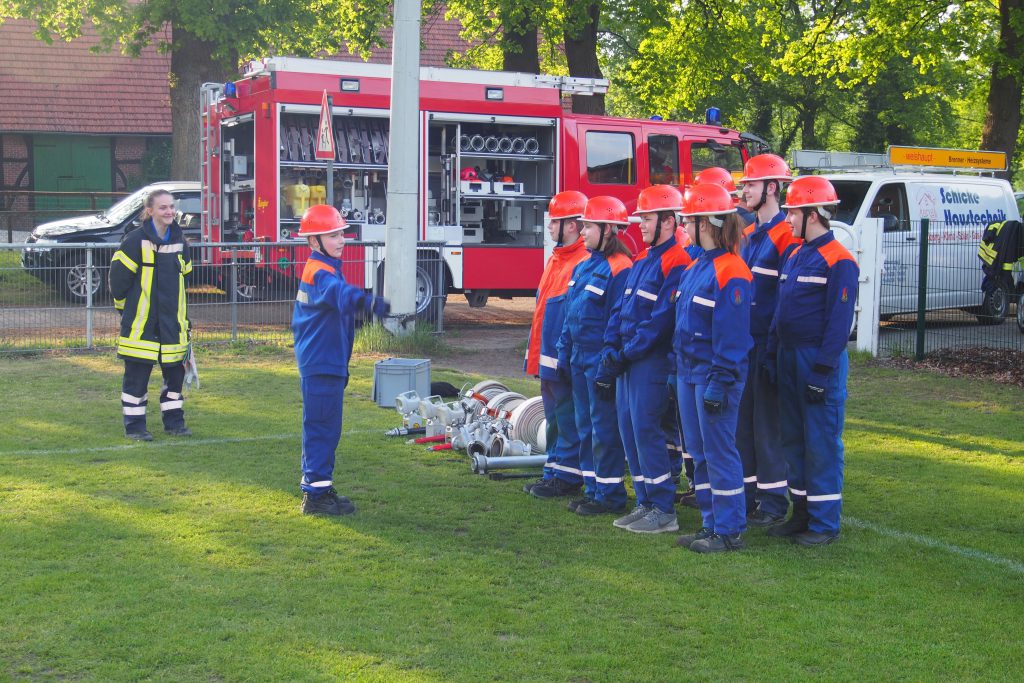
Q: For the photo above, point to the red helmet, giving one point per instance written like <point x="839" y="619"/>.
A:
<point x="320" y="219"/>
<point x="468" y="173"/>
<point x="766" y="167"/>
<point x="707" y="199"/>
<point x="659" y="198"/>
<point x="716" y="175"/>
<point x="810" y="191"/>
<point x="568" y="204"/>
<point x="605" y="209"/>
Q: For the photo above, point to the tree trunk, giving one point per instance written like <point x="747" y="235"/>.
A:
<point x="808" y="137"/>
<point x="519" y="47"/>
<point x="1002" y="118"/>
<point x="192" y="65"/>
<point x="581" y="55"/>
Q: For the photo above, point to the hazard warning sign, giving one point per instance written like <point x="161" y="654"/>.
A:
<point x="325" y="133"/>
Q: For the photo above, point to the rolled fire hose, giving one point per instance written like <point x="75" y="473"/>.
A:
<point x="518" y="145"/>
<point x="491" y="143"/>
<point x="532" y="146"/>
<point x="476" y="143"/>
<point x="505" y="144"/>
<point x="489" y="388"/>
<point x="465" y="142"/>
<point x="529" y="425"/>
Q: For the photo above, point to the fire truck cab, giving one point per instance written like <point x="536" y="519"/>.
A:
<point x="494" y="147"/>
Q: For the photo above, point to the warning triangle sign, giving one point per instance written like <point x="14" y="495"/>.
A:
<point x="325" y="133"/>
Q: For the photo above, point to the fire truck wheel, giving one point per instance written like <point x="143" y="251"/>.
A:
<point x="995" y="305"/>
<point x="1020" y="313"/>
<point x="430" y="293"/>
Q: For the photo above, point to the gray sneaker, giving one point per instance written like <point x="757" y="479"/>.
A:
<point x="655" y="522"/>
<point x="639" y="512"/>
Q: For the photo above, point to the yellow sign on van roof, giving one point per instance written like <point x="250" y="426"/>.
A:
<point x="947" y="158"/>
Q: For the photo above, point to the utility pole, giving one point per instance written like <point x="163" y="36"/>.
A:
<point x="403" y="167"/>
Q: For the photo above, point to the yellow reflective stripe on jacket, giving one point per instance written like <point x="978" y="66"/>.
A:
<point x="119" y="304"/>
<point x="182" y="317"/>
<point x="186" y="266"/>
<point x="126" y="260"/>
<point x="137" y="348"/>
<point x="145" y="291"/>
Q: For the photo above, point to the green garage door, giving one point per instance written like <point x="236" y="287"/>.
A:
<point x="69" y="163"/>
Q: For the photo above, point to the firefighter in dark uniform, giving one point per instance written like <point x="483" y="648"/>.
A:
<point x="147" y="281"/>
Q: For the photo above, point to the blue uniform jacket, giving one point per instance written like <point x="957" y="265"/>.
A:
<point x="765" y="249"/>
<point x="817" y="294"/>
<point x="633" y="328"/>
<point x="712" y="312"/>
<point x="323" y="322"/>
<point x="596" y="284"/>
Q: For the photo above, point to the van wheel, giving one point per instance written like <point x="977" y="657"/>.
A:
<point x="995" y="305"/>
<point x="1020" y="313"/>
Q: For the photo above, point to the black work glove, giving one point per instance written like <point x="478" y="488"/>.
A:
<point x="714" y="398"/>
<point x="613" y="362"/>
<point x="604" y="388"/>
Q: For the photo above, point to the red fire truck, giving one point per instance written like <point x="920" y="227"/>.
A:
<point x="494" y="147"/>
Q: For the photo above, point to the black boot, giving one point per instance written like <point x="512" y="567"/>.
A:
<point x="796" y="524"/>
<point x="327" y="503"/>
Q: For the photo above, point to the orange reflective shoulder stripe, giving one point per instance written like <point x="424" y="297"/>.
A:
<point x="782" y="236"/>
<point x="730" y="267"/>
<point x="312" y="268"/>
<point x="618" y="262"/>
<point x="749" y="229"/>
<point x="834" y="252"/>
<point x="673" y="258"/>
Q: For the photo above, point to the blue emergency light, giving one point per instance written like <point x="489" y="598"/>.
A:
<point x="713" y="116"/>
<point x="230" y="90"/>
<point x="656" y="117"/>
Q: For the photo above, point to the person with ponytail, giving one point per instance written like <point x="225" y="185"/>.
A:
<point x="711" y="342"/>
<point x="596" y="284"/>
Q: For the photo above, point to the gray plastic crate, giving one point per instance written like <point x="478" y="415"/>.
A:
<point x="394" y="376"/>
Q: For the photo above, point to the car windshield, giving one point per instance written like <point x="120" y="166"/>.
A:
<point x="127" y="207"/>
<point x="851" y="195"/>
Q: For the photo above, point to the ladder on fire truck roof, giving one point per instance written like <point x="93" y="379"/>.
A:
<point x="209" y="136"/>
<point x="566" y="84"/>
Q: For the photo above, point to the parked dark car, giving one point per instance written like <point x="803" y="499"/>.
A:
<point x="47" y="257"/>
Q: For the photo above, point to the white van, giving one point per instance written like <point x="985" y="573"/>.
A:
<point x="958" y="207"/>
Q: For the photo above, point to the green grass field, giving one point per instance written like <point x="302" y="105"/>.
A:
<point x="187" y="560"/>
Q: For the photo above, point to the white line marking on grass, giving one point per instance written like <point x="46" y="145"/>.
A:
<point x="177" y="443"/>
<point x="969" y="553"/>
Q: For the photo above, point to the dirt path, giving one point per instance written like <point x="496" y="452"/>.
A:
<point x="489" y="341"/>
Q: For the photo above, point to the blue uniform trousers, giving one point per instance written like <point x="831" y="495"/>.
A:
<point x="757" y="438"/>
<point x="602" y="458"/>
<point x="673" y="436"/>
<point x="322" y="399"/>
<point x="718" y="471"/>
<point x="563" y="439"/>
<point x="641" y="401"/>
<point x="812" y="436"/>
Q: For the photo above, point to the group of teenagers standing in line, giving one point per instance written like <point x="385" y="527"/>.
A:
<point x="720" y="350"/>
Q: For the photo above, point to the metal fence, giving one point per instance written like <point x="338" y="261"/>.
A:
<point x="56" y="297"/>
<point x="931" y="294"/>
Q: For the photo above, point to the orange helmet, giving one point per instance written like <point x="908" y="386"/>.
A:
<point x="810" y="191"/>
<point x="716" y="175"/>
<point x="605" y="209"/>
<point x="320" y="219"/>
<point x="766" y="167"/>
<point x="567" y="204"/>
<point x="659" y="198"/>
<point x="707" y="199"/>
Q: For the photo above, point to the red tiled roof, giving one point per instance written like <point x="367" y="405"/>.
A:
<point x="64" y="88"/>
